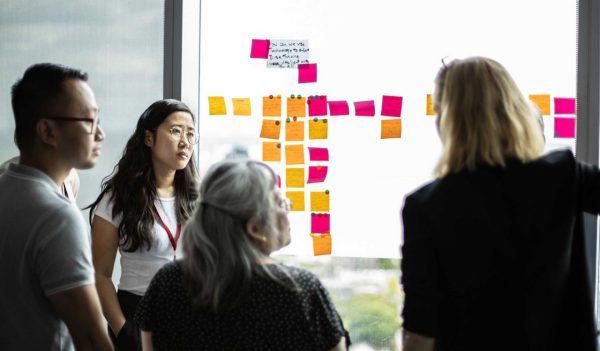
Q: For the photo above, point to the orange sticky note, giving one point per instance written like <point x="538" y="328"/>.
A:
<point x="270" y="129"/>
<point x="391" y="128"/>
<point x="542" y="102"/>
<point x="429" y="110"/>
<point x="296" y="107"/>
<point x="294" y="177"/>
<point x="321" y="244"/>
<point x="241" y="106"/>
<point x="216" y="105"/>
<point x="296" y="199"/>
<point x="294" y="154"/>
<point x="319" y="201"/>
<point x="271" y="151"/>
<point x="294" y="131"/>
<point x="272" y="106"/>
<point x="317" y="128"/>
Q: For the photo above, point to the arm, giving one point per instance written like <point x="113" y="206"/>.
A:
<point x="147" y="341"/>
<point x="79" y="308"/>
<point x="341" y="346"/>
<point x="105" y="243"/>
<point x="415" y="342"/>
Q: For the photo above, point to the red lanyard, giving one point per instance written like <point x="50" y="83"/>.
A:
<point x="172" y="239"/>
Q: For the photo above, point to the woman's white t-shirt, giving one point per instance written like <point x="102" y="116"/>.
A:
<point x="138" y="267"/>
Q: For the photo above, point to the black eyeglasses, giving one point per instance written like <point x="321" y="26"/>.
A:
<point x="94" y="122"/>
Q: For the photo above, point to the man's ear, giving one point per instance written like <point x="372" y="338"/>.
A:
<point x="255" y="232"/>
<point x="45" y="130"/>
<point x="148" y="138"/>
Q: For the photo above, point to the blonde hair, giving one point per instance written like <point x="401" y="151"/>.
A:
<point x="483" y="117"/>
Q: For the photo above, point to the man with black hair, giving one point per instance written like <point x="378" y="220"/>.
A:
<point x="48" y="297"/>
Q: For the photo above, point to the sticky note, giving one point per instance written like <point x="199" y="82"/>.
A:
<point x="294" y="177"/>
<point x="564" y="127"/>
<point x="296" y="107"/>
<point x="241" y="107"/>
<point x="321" y="244"/>
<point x="294" y="154"/>
<point x="319" y="201"/>
<point x="270" y="129"/>
<point x="429" y="111"/>
<point x="296" y="199"/>
<point x="391" y="128"/>
<point x="317" y="105"/>
<point x="318" y="154"/>
<point x="564" y="106"/>
<point x="294" y="131"/>
<point x="542" y="102"/>
<point x="391" y="106"/>
<point x="364" y="108"/>
<point x="317" y="129"/>
<point x="272" y="106"/>
<point x="260" y="48"/>
<point x="338" y="108"/>
<point x="216" y="105"/>
<point x="317" y="174"/>
<point x="284" y="53"/>
<point x="307" y="73"/>
<point x="271" y="151"/>
<point x="319" y="223"/>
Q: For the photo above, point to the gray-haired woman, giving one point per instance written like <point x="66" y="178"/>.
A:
<point x="226" y="293"/>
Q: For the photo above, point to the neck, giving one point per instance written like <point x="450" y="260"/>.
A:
<point x="165" y="182"/>
<point x="48" y="164"/>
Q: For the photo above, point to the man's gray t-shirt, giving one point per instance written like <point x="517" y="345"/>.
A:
<point x="44" y="249"/>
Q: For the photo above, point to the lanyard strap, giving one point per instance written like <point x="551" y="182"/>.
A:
<point x="172" y="239"/>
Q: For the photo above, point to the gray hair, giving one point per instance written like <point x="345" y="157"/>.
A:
<point x="219" y="257"/>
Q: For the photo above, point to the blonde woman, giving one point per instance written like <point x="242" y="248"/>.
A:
<point x="493" y="254"/>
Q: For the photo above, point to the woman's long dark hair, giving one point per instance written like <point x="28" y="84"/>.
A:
<point x="131" y="185"/>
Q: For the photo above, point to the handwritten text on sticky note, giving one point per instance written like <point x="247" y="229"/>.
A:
<point x="270" y="129"/>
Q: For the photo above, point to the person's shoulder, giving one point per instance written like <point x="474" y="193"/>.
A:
<point x="301" y="276"/>
<point x="557" y="157"/>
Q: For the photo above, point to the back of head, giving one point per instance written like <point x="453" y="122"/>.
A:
<point x="38" y="94"/>
<point x="484" y="119"/>
<point x="220" y="257"/>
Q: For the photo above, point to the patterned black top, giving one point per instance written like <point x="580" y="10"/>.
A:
<point x="272" y="317"/>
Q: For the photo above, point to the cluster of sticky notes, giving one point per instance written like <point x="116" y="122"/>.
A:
<point x="565" y="124"/>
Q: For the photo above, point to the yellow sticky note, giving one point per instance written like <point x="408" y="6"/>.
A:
<point x="542" y="102"/>
<point x="270" y="129"/>
<point x="429" y="110"/>
<point x="294" y="177"/>
<point x="294" y="154"/>
<point x="241" y="107"/>
<point x="216" y="105"/>
<point x="296" y="199"/>
<point x="294" y="131"/>
<point x="317" y="129"/>
<point x="271" y="151"/>
<point x="319" y="201"/>
<point x="272" y="106"/>
<point x="391" y="128"/>
<point x="296" y="107"/>
<point x="321" y="244"/>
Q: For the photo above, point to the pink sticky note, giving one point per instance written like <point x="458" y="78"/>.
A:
<point x="307" y="72"/>
<point x="317" y="174"/>
<point x="318" y="154"/>
<point x="338" y="108"/>
<point x="319" y="223"/>
<point x="317" y="105"/>
<point x="364" y="108"/>
<point x="260" y="48"/>
<point x="391" y="106"/>
<point x="564" y="127"/>
<point x="564" y="106"/>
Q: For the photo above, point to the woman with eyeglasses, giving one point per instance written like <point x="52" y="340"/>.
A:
<point x="226" y="293"/>
<point x="493" y="255"/>
<point x="140" y="212"/>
